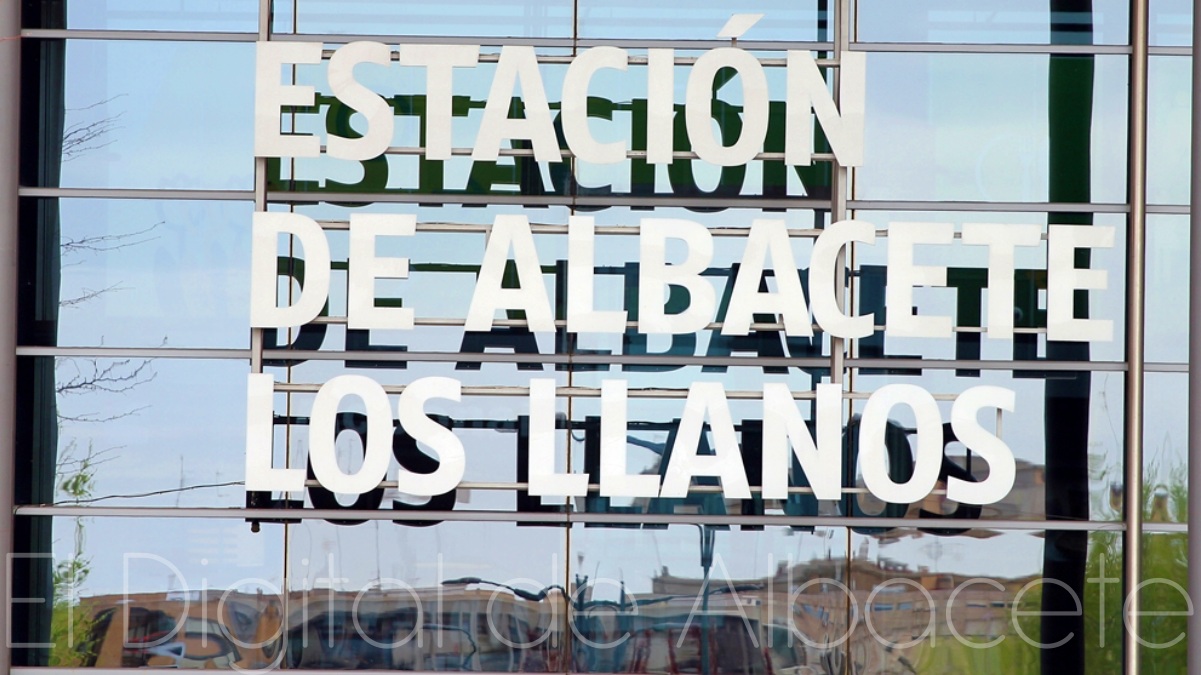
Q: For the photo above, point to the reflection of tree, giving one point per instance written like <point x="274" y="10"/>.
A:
<point x="90" y="379"/>
<point x="85" y="136"/>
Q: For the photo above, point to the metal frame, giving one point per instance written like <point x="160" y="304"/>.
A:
<point x="1134" y="366"/>
<point x="1194" y="365"/>
<point x="10" y="134"/>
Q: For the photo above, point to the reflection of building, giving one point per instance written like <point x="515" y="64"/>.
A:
<point x="787" y="623"/>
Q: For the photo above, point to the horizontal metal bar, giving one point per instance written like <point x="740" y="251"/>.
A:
<point x="1173" y="209"/>
<point x="565" y="42"/>
<point x="163" y="35"/>
<point x="135" y="193"/>
<point x="748" y="201"/>
<point x="1165" y="367"/>
<point x="1007" y="207"/>
<point x="1170" y="51"/>
<point x="1058" y="366"/>
<point x="989" y="48"/>
<point x="546" y="228"/>
<point x="589" y="359"/>
<point x="566" y="59"/>
<point x="135" y="352"/>
<point x="239" y="513"/>
<point x="406" y="150"/>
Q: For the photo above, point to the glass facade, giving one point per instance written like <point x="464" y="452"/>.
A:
<point x="140" y="541"/>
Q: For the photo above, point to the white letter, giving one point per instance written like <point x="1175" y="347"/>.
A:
<point x="967" y="429"/>
<point x="452" y="461"/>
<point x="660" y="105"/>
<point x="1001" y="241"/>
<point x="824" y="274"/>
<point x="767" y="236"/>
<point x="260" y="475"/>
<point x="656" y="276"/>
<point x="377" y="451"/>
<point x="575" y="105"/>
<point x="873" y="454"/>
<point x="371" y="105"/>
<point x="264" y="275"/>
<point x="706" y="399"/>
<point x="903" y="276"/>
<point x="698" y="107"/>
<point x="365" y="268"/>
<point x="806" y="90"/>
<point x="1063" y="279"/>
<point x="440" y="62"/>
<point x="517" y="63"/>
<point x="270" y="96"/>
<point x="614" y="481"/>
<point x="544" y="482"/>
<point x="782" y="425"/>
<point x="581" y="317"/>
<point x="489" y="296"/>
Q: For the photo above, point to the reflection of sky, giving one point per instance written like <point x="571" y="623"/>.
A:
<point x="183" y="113"/>
<point x="939" y="127"/>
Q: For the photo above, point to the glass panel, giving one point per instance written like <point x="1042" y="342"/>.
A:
<point x="148" y="593"/>
<point x="492" y="429"/>
<point x="981" y="127"/>
<point x="1171" y="22"/>
<point x="988" y="601"/>
<point x="709" y="599"/>
<point x="1169" y="119"/>
<point x="993" y="22"/>
<point x="142" y="114"/>
<point x="454" y="596"/>
<point x="1167" y="288"/>
<point x="445" y="257"/>
<point x="1064" y="434"/>
<point x="145" y="432"/>
<point x="623" y="19"/>
<point x="1163" y="629"/>
<point x="194" y="15"/>
<point x="540" y="18"/>
<point x="966" y="298"/>
<point x="135" y="273"/>
<point x="1165" y="448"/>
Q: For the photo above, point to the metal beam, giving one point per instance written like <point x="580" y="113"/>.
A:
<point x="10" y="87"/>
<point x="1194" y="368"/>
<point x="1135" y="260"/>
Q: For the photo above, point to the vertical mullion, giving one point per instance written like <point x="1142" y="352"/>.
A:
<point x="1135" y="245"/>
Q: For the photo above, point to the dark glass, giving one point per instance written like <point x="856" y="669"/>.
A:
<point x="145" y="432"/>
<point x="148" y="592"/>
<point x="982" y="127"/>
<point x="994" y="22"/>
<point x="138" y="273"/>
